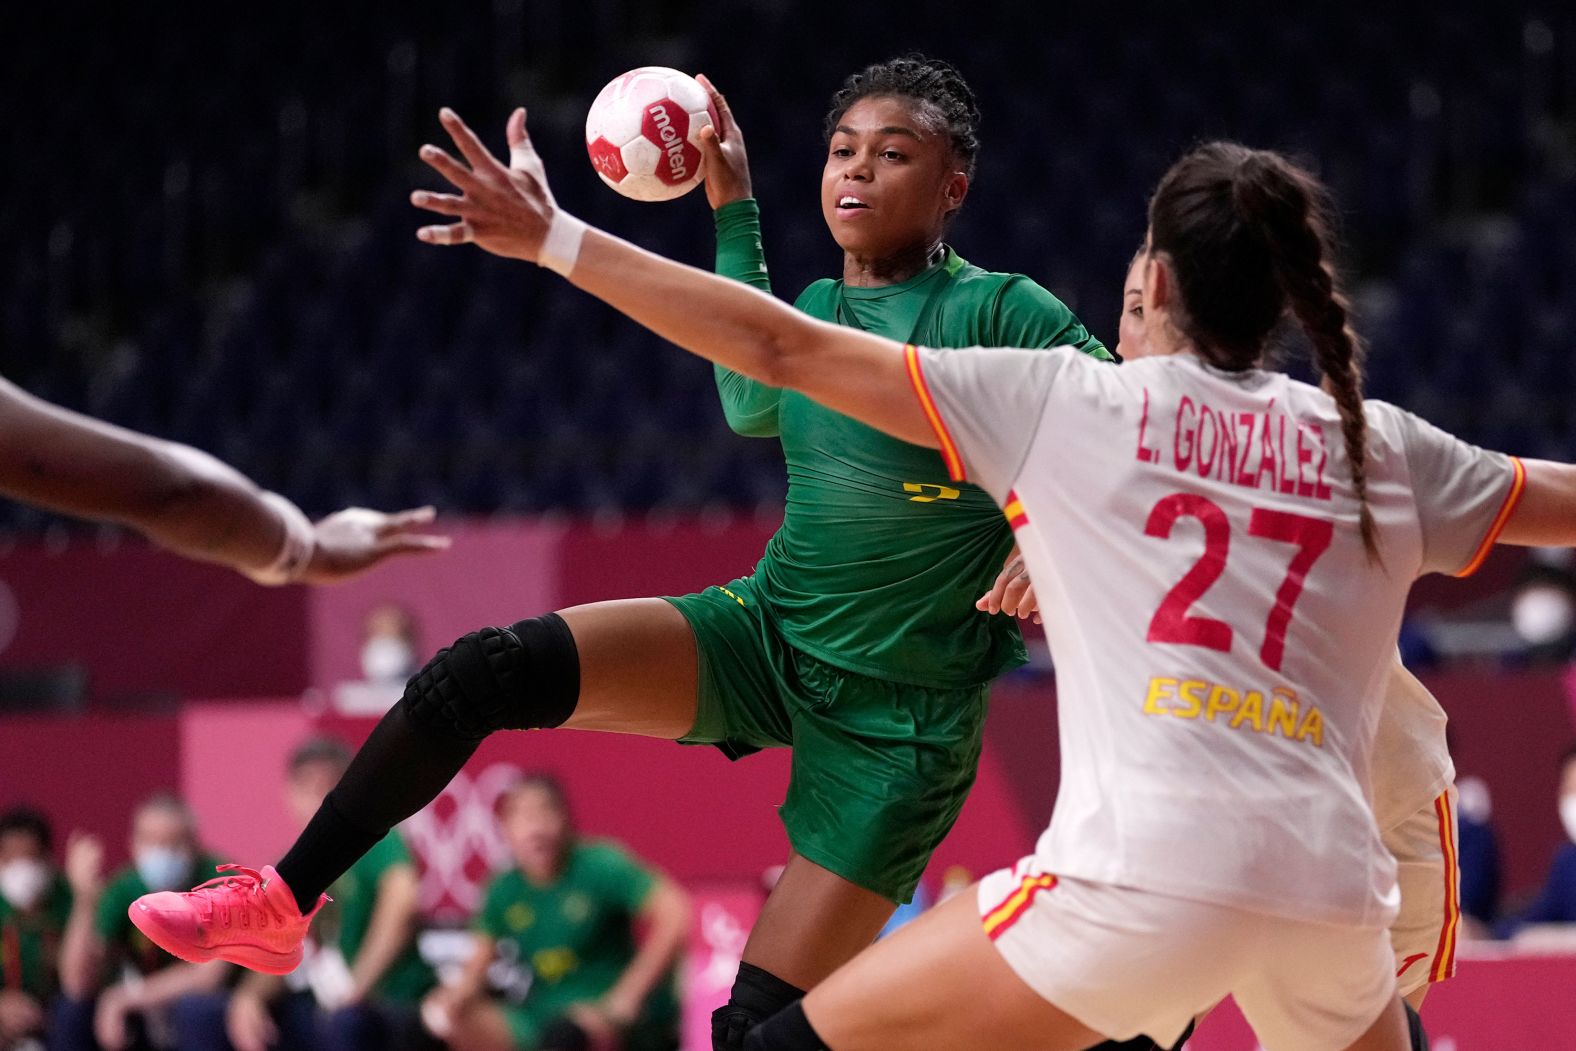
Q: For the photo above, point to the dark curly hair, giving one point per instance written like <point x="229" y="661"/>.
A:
<point x="920" y="79"/>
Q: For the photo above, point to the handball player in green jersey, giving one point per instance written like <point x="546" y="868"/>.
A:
<point x="856" y="641"/>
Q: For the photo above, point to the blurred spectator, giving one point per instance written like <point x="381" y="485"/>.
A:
<point x="1556" y="903"/>
<point x="1543" y="612"/>
<point x="1477" y="852"/>
<point x="389" y="651"/>
<point x="119" y="990"/>
<point x="558" y="933"/>
<point x="365" y="974"/>
<point x="34" y="905"/>
<point x="389" y="648"/>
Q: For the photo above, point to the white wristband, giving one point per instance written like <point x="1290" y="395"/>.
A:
<point x="296" y="549"/>
<point x="561" y="247"/>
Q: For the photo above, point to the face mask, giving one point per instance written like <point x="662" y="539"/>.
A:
<point x="163" y="869"/>
<point x="23" y="882"/>
<point x="386" y="659"/>
<point x="1568" y="816"/>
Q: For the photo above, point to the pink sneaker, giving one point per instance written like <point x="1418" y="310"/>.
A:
<point x="249" y="918"/>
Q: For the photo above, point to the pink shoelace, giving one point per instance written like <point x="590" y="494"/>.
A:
<point x="244" y="896"/>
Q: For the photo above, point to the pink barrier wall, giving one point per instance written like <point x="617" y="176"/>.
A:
<point x="1510" y="730"/>
<point x="687" y="809"/>
<point x="147" y="623"/>
<point x="89" y="774"/>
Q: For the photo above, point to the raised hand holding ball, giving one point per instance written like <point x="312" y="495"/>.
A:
<point x="643" y="133"/>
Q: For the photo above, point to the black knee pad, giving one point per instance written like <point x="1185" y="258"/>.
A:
<point x="787" y="1030"/>
<point x="757" y="995"/>
<point x="523" y="677"/>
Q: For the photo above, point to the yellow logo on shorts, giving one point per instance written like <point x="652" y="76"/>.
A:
<point x="930" y="492"/>
<point x="1284" y="716"/>
<point x="730" y="594"/>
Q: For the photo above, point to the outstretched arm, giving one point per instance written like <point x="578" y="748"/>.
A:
<point x="184" y="499"/>
<point x="510" y="212"/>
<point x="749" y="405"/>
<point x="1546" y="513"/>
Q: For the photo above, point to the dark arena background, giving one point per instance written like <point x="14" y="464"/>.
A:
<point x="205" y="235"/>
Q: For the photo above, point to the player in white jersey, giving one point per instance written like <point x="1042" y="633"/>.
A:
<point x="1413" y="791"/>
<point x="1222" y="570"/>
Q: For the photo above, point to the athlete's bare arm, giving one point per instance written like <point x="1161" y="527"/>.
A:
<point x="1546" y="515"/>
<point x="178" y="497"/>
<point x="507" y="211"/>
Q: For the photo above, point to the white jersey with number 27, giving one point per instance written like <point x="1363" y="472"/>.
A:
<point x="1222" y="638"/>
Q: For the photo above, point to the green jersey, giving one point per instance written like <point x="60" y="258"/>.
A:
<point x="348" y="917"/>
<point x="30" y="942"/>
<point x="880" y="558"/>
<point x="575" y="935"/>
<point x="113" y="921"/>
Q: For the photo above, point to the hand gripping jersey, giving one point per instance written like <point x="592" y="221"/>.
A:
<point x="1222" y="638"/>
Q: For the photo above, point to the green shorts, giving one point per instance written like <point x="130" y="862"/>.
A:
<point x="880" y="769"/>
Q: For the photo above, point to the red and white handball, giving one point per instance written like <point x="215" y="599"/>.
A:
<point x="643" y="133"/>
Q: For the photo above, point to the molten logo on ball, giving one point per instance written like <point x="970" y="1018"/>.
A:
<point x="667" y="124"/>
<point x="643" y="133"/>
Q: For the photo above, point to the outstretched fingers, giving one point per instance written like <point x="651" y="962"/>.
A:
<point x="520" y="149"/>
<point x="725" y="125"/>
<point x="402" y="521"/>
<point x="442" y="203"/>
<point x="445" y="203"/>
<point x="445" y="165"/>
<point x="469" y="145"/>
<point x="452" y="234"/>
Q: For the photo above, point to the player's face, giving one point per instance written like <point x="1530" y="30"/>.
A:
<point x="536" y="830"/>
<point x="1568" y="781"/>
<point x="890" y="179"/>
<point x="306" y="787"/>
<point x="1131" y="340"/>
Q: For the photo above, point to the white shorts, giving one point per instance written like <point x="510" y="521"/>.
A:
<point x="1424" y="931"/>
<point x="1128" y="962"/>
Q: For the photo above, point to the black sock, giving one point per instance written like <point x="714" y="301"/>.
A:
<point x="397" y="772"/>
<point x="787" y="1030"/>
<point x="1414" y="1028"/>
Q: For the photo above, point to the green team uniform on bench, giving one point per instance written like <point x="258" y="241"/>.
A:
<point x="856" y="641"/>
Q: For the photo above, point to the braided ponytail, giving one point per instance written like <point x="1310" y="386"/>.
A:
<point x="1249" y="235"/>
<point x="1293" y="209"/>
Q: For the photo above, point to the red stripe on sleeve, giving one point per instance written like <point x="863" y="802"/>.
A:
<point x="949" y="448"/>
